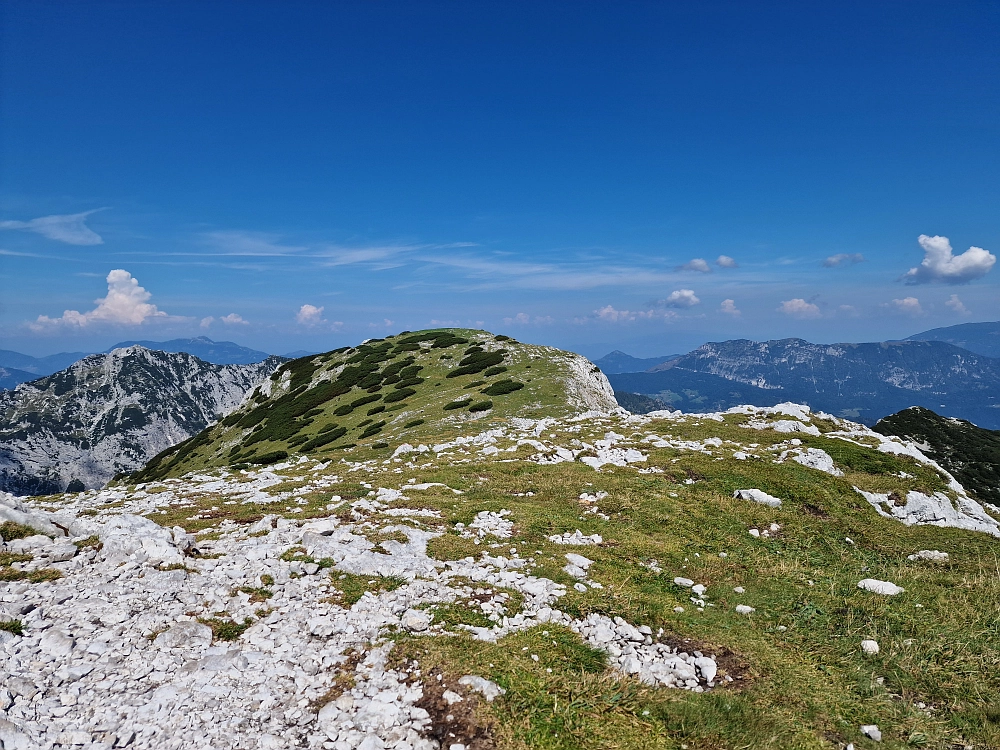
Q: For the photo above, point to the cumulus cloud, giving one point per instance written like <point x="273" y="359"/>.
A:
<point x="955" y="304"/>
<point x="799" y="308"/>
<point x="942" y="265"/>
<point x="126" y="303"/>
<point x="310" y="315"/>
<point x="728" y="307"/>
<point x="234" y="320"/>
<point x="680" y="298"/>
<point x="907" y="306"/>
<point x="207" y="322"/>
<point x="696" y="264"/>
<point x="68" y="228"/>
<point x="724" y="261"/>
<point x="843" y="259"/>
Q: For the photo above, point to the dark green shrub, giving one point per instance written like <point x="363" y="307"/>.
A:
<point x="380" y="445"/>
<point x="395" y="396"/>
<point x="408" y="382"/>
<point x="502" y="387"/>
<point x="481" y="406"/>
<point x="292" y="442"/>
<point x="461" y="404"/>
<point x="494" y="371"/>
<point x="373" y="429"/>
<point x="377" y="409"/>
<point x="364" y="422"/>
<point x="343" y="410"/>
<point x="410" y="371"/>
<point x="75" y="486"/>
<point x="413" y="423"/>
<point x="12" y="626"/>
<point x="327" y="428"/>
<point x="324" y="439"/>
<point x="477" y="362"/>
<point x="268" y="458"/>
<point x="473" y="384"/>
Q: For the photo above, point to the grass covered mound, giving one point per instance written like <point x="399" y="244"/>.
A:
<point x="969" y="452"/>
<point x="326" y="403"/>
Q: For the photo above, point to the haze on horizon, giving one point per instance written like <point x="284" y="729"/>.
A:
<point x="593" y="176"/>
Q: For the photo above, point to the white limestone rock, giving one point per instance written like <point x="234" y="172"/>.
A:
<point x="758" y="496"/>
<point x="875" y="586"/>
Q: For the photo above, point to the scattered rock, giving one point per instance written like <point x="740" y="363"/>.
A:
<point x="743" y="609"/>
<point x="758" y="496"/>
<point x="187" y="634"/>
<point x="880" y="587"/>
<point x="487" y="688"/>
<point x="871" y="731"/>
<point x="870" y="647"/>
<point x="932" y="555"/>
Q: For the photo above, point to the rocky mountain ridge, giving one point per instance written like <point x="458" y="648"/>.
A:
<point x="857" y="381"/>
<point x="109" y="413"/>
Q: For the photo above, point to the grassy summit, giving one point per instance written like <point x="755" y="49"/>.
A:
<point x="413" y="386"/>
<point x="659" y="492"/>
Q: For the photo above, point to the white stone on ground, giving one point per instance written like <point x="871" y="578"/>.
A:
<point x="758" y="496"/>
<point x="869" y="647"/>
<point x="880" y="587"/>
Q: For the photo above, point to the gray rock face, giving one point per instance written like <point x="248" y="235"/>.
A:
<point x="111" y="413"/>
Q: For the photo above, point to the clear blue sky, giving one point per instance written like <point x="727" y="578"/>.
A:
<point x="542" y="169"/>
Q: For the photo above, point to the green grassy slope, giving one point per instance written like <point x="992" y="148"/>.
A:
<point x="414" y="386"/>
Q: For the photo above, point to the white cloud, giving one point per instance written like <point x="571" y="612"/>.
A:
<point x="799" y="308"/>
<point x="728" y="307"/>
<point x="255" y="244"/>
<point x="207" y="322"/>
<point x="956" y="305"/>
<point x="941" y="264"/>
<point x="524" y="319"/>
<point x="520" y="319"/>
<point x="234" y="320"/>
<point x="724" y="261"/>
<point x="696" y="264"/>
<point x="610" y="315"/>
<point x="68" y="228"/>
<point x="310" y="315"/>
<point x="386" y="323"/>
<point x="849" y="310"/>
<point x="843" y="259"/>
<point x="680" y="298"/>
<point x="907" y="306"/>
<point x="127" y="303"/>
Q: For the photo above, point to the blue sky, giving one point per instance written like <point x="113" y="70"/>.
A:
<point x="304" y="175"/>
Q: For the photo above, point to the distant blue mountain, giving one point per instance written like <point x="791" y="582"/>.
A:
<point x="10" y="378"/>
<point x="981" y="338"/>
<point x="618" y="362"/>
<point x="216" y="352"/>
<point x="863" y="382"/>
<point x="39" y="366"/>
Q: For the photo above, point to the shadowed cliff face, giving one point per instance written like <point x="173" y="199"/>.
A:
<point x="109" y="413"/>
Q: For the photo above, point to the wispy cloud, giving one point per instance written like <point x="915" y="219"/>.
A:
<point x="940" y="264"/>
<point x="126" y="303"/>
<point x="843" y="259"/>
<point x="240" y="243"/>
<point x="69" y="228"/>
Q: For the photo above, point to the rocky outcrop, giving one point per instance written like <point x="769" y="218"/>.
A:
<point x="110" y="413"/>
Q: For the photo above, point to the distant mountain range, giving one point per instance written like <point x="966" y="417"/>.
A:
<point x="618" y="362"/>
<point x="21" y="368"/>
<point x="981" y="338"/>
<point x="110" y="413"/>
<point x="859" y="381"/>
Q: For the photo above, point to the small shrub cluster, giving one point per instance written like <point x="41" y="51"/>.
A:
<point x="373" y="429"/>
<point x="399" y="395"/>
<point x="494" y="371"/>
<point x="477" y="362"/>
<point x="461" y="404"/>
<point x="413" y="423"/>
<point x="12" y="626"/>
<point x="502" y="387"/>
<point x="225" y="629"/>
<point x="481" y="406"/>
<point x="324" y="438"/>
